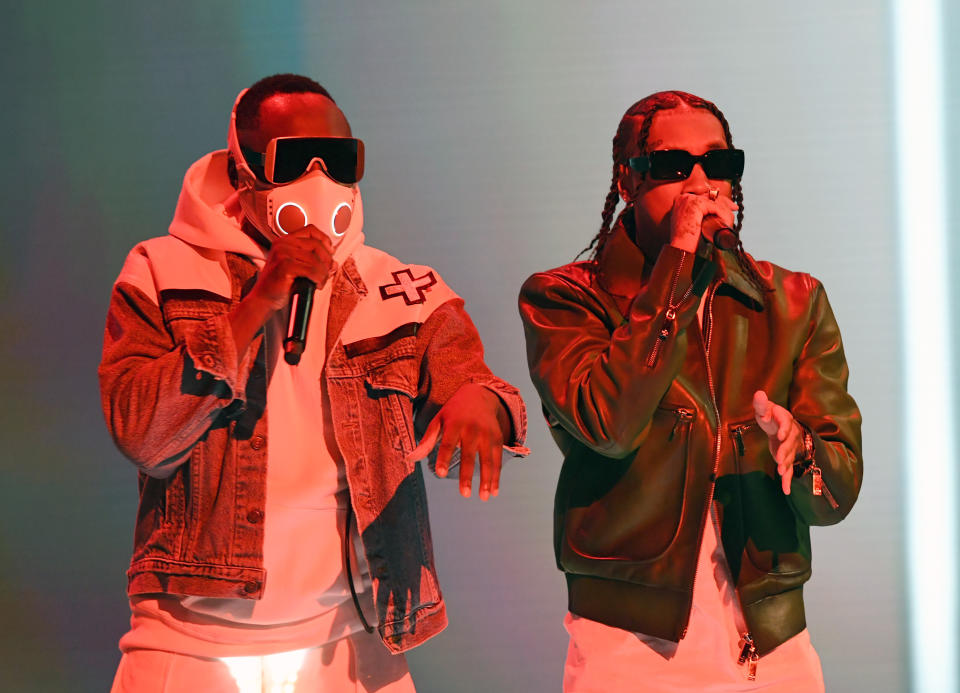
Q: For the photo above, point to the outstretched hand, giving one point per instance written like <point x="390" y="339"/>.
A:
<point x="476" y="421"/>
<point x="783" y="434"/>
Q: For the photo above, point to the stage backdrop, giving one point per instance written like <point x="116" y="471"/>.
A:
<point x="488" y="129"/>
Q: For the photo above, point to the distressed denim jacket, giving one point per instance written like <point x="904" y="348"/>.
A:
<point x="194" y="422"/>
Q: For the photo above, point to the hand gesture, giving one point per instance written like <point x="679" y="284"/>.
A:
<point x="783" y="434"/>
<point x="476" y="421"/>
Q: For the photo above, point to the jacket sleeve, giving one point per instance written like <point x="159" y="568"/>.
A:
<point x="451" y="355"/>
<point x="820" y="401"/>
<point x="159" y="394"/>
<point x="603" y="382"/>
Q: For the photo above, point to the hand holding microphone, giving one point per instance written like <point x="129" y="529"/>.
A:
<point x="296" y="265"/>
<point x="703" y="214"/>
<point x="717" y="231"/>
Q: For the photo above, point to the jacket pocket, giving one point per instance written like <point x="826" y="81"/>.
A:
<point x="391" y="382"/>
<point x="183" y="310"/>
<point x="630" y="509"/>
<point x="770" y="533"/>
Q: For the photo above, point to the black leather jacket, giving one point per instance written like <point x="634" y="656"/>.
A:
<point x="654" y="417"/>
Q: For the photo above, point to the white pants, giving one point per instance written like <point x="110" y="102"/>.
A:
<point x="602" y="659"/>
<point x="356" y="664"/>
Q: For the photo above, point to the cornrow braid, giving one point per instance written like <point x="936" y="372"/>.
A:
<point x="644" y="108"/>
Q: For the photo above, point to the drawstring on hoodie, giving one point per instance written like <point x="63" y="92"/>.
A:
<point x="346" y="561"/>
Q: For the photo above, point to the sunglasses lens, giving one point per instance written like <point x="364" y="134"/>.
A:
<point x="342" y="158"/>
<point x="670" y="164"/>
<point x="723" y="164"/>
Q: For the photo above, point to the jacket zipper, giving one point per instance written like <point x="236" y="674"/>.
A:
<point x="738" y="437"/>
<point x="670" y="316"/>
<point x="748" y="649"/>
<point x="682" y="414"/>
<point x="716" y="447"/>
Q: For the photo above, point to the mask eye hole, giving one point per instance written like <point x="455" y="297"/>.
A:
<point x="290" y="217"/>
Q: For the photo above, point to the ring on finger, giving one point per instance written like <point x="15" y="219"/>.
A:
<point x="713" y="193"/>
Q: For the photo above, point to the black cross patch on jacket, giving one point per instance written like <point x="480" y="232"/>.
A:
<point x="411" y="288"/>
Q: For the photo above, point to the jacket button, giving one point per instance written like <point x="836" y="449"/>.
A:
<point x="251" y="586"/>
<point x="209" y="361"/>
<point x="254" y="517"/>
<point x="258" y="442"/>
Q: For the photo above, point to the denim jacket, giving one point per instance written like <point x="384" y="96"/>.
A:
<point x="194" y="422"/>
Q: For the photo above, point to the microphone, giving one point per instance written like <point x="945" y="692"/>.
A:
<point x="724" y="237"/>
<point x="301" y="301"/>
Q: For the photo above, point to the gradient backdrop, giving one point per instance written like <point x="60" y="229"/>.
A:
<point x="488" y="129"/>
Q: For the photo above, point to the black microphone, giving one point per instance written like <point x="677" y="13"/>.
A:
<point x="301" y="301"/>
<point x="724" y="237"/>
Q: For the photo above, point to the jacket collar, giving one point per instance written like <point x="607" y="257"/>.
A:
<point x="621" y="265"/>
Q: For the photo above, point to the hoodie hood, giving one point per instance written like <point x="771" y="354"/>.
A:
<point x="208" y="212"/>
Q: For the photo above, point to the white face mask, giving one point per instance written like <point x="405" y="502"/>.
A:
<point x="315" y="199"/>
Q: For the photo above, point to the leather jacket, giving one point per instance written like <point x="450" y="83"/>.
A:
<point x="654" y="416"/>
<point x="194" y="422"/>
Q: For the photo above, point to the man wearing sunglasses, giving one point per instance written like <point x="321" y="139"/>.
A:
<point x="282" y="538"/>
<point x="699" y="398"/>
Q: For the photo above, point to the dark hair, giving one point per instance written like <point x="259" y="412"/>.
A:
<point x="645" y="108"/>
<point x="248" y="108"/>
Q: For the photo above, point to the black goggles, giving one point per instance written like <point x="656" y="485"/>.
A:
<point x="288" y="158"/>
<point x="677" y="164"/>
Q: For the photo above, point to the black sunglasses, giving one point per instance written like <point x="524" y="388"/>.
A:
<point x="677" y="164"/>
<point x="288" y="158"/>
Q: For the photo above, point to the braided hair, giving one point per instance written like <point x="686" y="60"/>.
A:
<point x="645" y="108"/>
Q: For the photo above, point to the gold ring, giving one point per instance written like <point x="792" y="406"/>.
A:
<point x="713" y="193"/>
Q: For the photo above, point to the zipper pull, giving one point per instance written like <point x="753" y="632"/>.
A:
<point x="665" y="330"/>
<point x="746" y="647"/>
<point x="820" y="488"/>
<point x="738" y="434"/>
<point x="752" y="666"/>
<point x="682" y="415"/>
<point x="817" y="480"/>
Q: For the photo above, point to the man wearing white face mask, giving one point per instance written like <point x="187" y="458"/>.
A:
<point x="282" y="507"/>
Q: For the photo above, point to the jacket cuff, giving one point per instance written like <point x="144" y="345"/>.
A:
<point x="213" y="354"/>
<point x="823" y="505"/>
<point x="515" y="447"/>
<point x="517" y="410"/>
